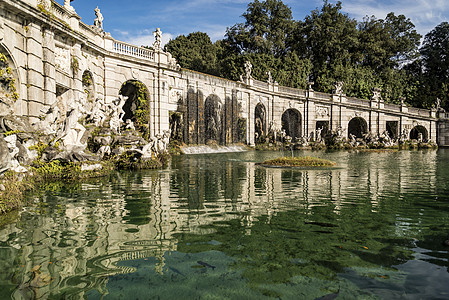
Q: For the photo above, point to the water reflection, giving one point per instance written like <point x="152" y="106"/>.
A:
<point x="266" y="226"/>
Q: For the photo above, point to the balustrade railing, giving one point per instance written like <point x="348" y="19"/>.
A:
<point x="392" y="107"/>
<point x="289" y="90"/>
<point x="128" y="49"/>
<point x="322" y="96"/>
<point x="260" y="84"/>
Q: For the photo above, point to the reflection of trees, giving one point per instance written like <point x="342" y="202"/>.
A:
<point x="275" y="223"/>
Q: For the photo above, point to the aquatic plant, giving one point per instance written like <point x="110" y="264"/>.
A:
<point x="306" y="161"/>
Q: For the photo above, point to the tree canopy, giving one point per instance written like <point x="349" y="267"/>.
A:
<point x="327" y="46"/>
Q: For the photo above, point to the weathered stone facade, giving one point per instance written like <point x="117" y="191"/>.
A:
<point x="50" y="50"/>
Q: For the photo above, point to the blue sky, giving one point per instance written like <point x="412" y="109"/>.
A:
<point x="134" y="21"/>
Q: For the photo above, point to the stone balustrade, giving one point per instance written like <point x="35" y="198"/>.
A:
<point x="131" y="50"/>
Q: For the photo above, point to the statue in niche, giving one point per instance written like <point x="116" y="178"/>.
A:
<point x="117" y="113"/>
<point x="420" y="137"/>
<point x="259" y="128"/>
<point x="248" y="69"/>
<point x="176" y="126"/>
<point x="98" y="22"/>
<point x="318" y="134"/>
<point x="157" y="39"/>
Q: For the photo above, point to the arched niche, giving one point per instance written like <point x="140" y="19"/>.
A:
<point x="137" y="105"/>
<point x="260" y="123"/>
<point x="291" y="123"/>
<point x="416" y="131"/>
<point x="213" y="119"/>
<point x="9" y="82"/>
<point x="357" y="127"/>
<point x="88" y="85"/>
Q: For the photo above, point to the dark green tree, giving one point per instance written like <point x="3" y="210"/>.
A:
<point x="435" y="64"/>
<point x="194" y="51"/>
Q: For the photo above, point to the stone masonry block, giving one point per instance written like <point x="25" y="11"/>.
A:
<point x="35" y="78"/>
<point x="35" y="63"/>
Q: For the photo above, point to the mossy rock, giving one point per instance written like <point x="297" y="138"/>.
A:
<point x="301" y="162"/>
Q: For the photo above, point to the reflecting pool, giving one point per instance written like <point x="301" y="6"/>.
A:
<point x="219" y="226"/>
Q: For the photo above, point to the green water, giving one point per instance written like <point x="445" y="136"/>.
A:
<point x="220" y="227"/>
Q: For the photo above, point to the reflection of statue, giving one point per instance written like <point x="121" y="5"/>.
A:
<point x="98" y="22"/>
<point x="157" y="39"/>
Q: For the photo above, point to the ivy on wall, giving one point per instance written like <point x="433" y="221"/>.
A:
<point x="7" y="81"/>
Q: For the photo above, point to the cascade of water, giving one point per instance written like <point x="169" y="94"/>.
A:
<point x="203" y="149"/>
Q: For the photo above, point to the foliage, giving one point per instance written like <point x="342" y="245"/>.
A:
<point x="434" y="71"/>
<point x="7" y="81"/>
<point x="87" y="79"/>
<point x="133" y="161"/>
<point x="14" y="187"/>
<point x="142" y="113"/>
<point x="326" y="47"/>
<point x="306" y="161"/>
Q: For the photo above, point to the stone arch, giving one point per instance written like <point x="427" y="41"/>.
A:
<point x="9" y="81"/>
<point x="213" y="119"/>
<point x="417" y="130"/>
<point x="358" y="127"/>
<point x="88" y="85"/>
<point x="137" y="106"/>
<point x="291" y="123"/>
<point x="260" y="122"/>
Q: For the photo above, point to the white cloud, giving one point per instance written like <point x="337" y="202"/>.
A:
<point x="425" y="14"/>
<point x="143" y="38"/>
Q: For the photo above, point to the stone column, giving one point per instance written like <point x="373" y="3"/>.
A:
<point x="35" y="71"/>
<point x="48" y="59"/>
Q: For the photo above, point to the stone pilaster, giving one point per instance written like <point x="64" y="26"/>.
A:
<point x="48" y="59"/>
<point x="35" y="70"/>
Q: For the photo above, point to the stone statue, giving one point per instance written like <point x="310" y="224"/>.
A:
<point x="339" y="87"/>
<point x="270" y="78"/>
<point x="248" y="69"/>
<point x="129" y="125"/>
<point x="98" y="114"/>
<point x="117" y="113"/>
<point x="376" y="94"/>
<point x="72" y="131"/>
<point x="438" y="104"/>
<point x="98" y="22"/>
<point x="157" y="39"/>
<point x="420" y="137"/>
<point x="318" y="134"/>
<point x="352" y="139"/>
<point x="68" y="6"/>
